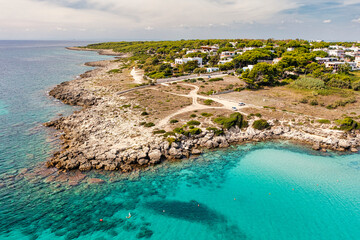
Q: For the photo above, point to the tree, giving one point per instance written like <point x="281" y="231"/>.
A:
<point x="213" y="61"/>
<point x="344" y="68"/>
<point x="263" y="74"/>
<point x="190" y="66"/>
<point x="255" y="43"/>
<point x="226" y="66"/>
<point x="251" y="57"/>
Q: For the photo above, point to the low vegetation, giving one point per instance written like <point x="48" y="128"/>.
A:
<point x="347" y="124"/>
<point x="323" y="121"/>
<point x="261" y="124"/>
<point x="235" y="119"/>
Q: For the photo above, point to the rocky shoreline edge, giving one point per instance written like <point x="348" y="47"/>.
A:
<point x="78" y="152"/>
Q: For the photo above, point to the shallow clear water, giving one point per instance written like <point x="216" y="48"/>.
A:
<point x="263" y="191"/>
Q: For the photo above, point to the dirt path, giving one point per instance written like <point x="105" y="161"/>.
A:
<point x="197" y="106"/>
<point x="137" y="75"/>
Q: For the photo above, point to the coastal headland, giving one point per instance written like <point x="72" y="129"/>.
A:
<point x="126" y="124"/>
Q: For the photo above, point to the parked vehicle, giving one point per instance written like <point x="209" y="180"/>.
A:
<point x="234" y="108"/>
<point x="241" y="104"/>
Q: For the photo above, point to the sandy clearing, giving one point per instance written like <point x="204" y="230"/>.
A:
<point x="137" y="75"/>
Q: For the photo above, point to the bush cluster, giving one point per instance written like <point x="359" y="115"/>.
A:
<point x="308" y="83"/>
<point x="235" y="119"/>
<point x="261" y="124"/>
<point x="347" y="124"/>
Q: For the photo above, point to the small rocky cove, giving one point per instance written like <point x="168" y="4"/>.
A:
<point x="98" y="137"/>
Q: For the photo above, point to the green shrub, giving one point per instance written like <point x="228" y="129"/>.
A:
<point x="314" y="102"/>
<point x="126" y="106"/>
<point x="215" y="79"/>
<point x="159" y="131"/>
<point x="216" y="131"/>
<point x="251" y="115"/>
<point x="150" y="124"/>
<point x="304" y="100"/>
<point x="356" y="85"/>
<point x="269" y="107"/>
<point x="169" y="134"/>
<point x="179" y="130"/>
<point x="193" y="122"/>
<point x="115" y="71"/>
<point x="144" y="114"/>
<point x="206" y="114"/>
<point x="193" y="115"/>
<point x="261" y="124"/>
<point x="339" y="83"/>
<point x="235" y="119"/>
<point x="323" y="121"/>
<point x="171" y="140"/>
<point x="348" y="124"/>
<point x="195" y="131"/>
<point x="172" y="121"/>
<point x="341" y="103"/>
<point x="308" y="83"/>
<point x="208" y="101"/>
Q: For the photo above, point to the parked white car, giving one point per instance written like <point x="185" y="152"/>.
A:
<point x="234" y="108"/>
<point x="241" y="104"/>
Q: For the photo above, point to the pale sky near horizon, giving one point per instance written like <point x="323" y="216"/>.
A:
<point x="332" y="20"/>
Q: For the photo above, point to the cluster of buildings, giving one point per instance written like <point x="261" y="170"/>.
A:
<point x="338" y="55"/>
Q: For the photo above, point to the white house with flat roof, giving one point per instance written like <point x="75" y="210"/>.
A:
<point x="185" y="60"/>
<point x="249" y="67"/>
<point x="357" y="61"/>
<point x="212" y="69"/>
<point x="323" y="60"/>
<point x="336" y="52"/>
<point x="227" y="54"/>
<point x="336" y="65"/>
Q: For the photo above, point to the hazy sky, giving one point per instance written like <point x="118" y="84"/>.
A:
<point x="179" y="19"/>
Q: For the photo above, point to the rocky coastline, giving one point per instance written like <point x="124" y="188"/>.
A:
<point x="99" y="138"/>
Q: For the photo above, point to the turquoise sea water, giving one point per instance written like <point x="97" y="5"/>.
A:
<point x="263" y="191"/>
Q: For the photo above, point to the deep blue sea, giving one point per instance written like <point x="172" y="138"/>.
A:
<point x="265" y="191"/>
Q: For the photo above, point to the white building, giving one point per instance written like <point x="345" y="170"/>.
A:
<point x="248" y="49"/>
<point x="193" y="51"/>
<point x="227" y="54"/>
<point x="276" y="60"/>
<point x="334" y="65"/>
<point x="357" y="61"/>
<point x="185" y="60"/>
<point x="353" y="66"/>
<point x="321" y="60"/>
<point x="210" y="48"/>
<point x="336" y="52"/>
<point x="212" y="69"/>
<point x="319" y="49"/>
<point x="250" y="67"/>
<point x="290" y="49"/>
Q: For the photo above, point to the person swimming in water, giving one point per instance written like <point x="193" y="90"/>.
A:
<point x="129" y="216"/>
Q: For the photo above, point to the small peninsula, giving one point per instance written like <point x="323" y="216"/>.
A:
<point x="166" y="100"/>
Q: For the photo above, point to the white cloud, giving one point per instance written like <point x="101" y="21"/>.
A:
<point x="148" y="28"/>
<point x="136" y="14"/>
<point x="327" y="21"/>
<point x="61" y="29"/>
<point x="356" y="20"/>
